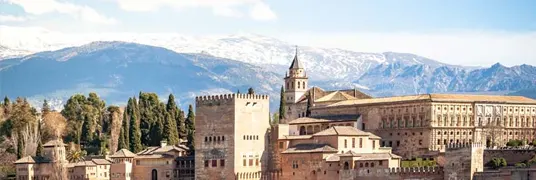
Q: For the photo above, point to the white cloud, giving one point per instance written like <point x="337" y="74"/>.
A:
<point x="39" y="7"/>
<point x="261" y="11"/>
<point x="258" y="10"/>
<point x="480" y="48"/>
<point x="11" y="18"/>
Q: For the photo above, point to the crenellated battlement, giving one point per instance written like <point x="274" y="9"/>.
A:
<point x="402" y="173"/>
<point x="456" y="146"/>
<point x="227" y="98"/>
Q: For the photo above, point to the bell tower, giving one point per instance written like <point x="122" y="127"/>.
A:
<point x="296" y="81"/>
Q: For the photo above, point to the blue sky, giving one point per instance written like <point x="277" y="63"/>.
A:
<point x="472" y="32"/>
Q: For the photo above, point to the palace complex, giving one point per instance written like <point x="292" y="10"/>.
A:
<point x="338" y="134"/>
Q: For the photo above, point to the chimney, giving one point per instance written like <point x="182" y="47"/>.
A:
<point x="163" y="143"/>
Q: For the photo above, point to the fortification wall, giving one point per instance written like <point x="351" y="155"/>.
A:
<point x="507" y="174"/>
<point x="421" y="173"/>
<point x="512" y="156"/>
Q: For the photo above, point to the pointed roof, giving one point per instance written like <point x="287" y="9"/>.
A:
<point x="336" y="96"/>
<point x="296" y="64"/>
<point x="123" y="153"/>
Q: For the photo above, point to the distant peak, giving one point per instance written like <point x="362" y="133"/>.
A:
<point x="497" y="65"/>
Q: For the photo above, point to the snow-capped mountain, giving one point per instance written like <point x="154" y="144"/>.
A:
<point x="323" y="64"/>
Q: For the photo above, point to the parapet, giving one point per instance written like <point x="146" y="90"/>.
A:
<point x="455" y="146"/>
<point x="226" y="98"/>
<point x="397" y="171"/>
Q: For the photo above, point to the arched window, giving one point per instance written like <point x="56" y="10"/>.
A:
<point x="298" y="84"/>
<point x="346" y="165"/>
<point x="209" y="138"/>
<point x="206" y="139"/>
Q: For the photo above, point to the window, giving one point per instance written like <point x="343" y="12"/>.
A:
<point x="214" y="163"/>
<point x="345" y="144"/>
<point x="381" y="163"/>
<point x="373" y="144"/>
<point x="206" y="163"/>
<point x="420" y="142"/>
<point x="353" y="142"/>
<point x="397" y="143"/>
<point x="206" y="139"/>
<point x="250" y="162"/>
<point x="360" y="142"/>
<point x="244" y="163"/>
<point x="223" y="138"/>
<point x="222" y="162"/>
<point x="257" y="162"/>
<point x="280" y="145"/>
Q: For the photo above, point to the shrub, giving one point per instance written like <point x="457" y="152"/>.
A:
<point x="520" y="165"/>
<point x="514" y="143"/>
<point x="497" y="163"/>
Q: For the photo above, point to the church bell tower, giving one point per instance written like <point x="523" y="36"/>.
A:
<point x="296" y="81"/>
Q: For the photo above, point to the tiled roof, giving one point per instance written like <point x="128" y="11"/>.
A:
<point x="297" y="137"/>
<point x="151" y="156"/>
<point x="32" y="160"/>
<point x="440" y="98"/>
<point x="101" y="161"/>
<point x="123" y="153"/>
<point x="322" y="119"/>
<point x="158" y="149"/>
<point x="54" y="143"/>
<point x="84" y="163"/>
<point x="319" y="93"/>
<point x="310" y="148"/>
<point x="335" y="96"/>
<point x="363" y="156"/>
<point x="342" y="130"/>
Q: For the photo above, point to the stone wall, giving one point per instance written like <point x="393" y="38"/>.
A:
<point x="511" y="156"/>
<point x="428" y="173"/>
<point x="507" y="174"/>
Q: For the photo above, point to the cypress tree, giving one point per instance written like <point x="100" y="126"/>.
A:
<point x="282" y="104"/>
<point x="190" y="126"/>
<point x="7" y="105"/>
<point x="170" y="130"/>
<point x="309" y="105"/>
<point x="39" y="151"/>
<point x="135" y="134"/>
<point x="121" y="143"/>
<point x="181" y="126"/>
<point x="20" y="145"/>
<point x="251" y="91"/>
<point x="46" y="108"/>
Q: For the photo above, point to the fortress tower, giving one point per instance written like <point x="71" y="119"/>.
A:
<point x="231" y="137"/>
<point x="463" y="160"/>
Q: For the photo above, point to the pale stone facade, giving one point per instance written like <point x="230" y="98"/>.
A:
<point x="231" y="137"/>
<point x="324" y="154"/>
<point x="415" y="125"/>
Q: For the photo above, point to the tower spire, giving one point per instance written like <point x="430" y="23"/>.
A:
<point x="296" y="51"/>
<point x="295" y="62"/>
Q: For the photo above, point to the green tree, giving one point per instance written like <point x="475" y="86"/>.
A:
<point x="282" y="104"/>
<point x="46" y="108"/>
<point x="172" y="124"/>
<point x="73" y="111"/>
<point x="7" y="105"/>
<point x="251" y="91"/>
<point x="76" y="155"/>
<point x="190" y="126"/>
<point x="170" y="130"/>
<point x="20" y="145"/>
<point x="121" y="142"/>
<point x="497" y="163"/>
<point x="135" y="133"/>
<point x="39" y="151"/>
<point x="151" y="118"/>
<point x="181" y="125"/>
<point x="309" y="105"/>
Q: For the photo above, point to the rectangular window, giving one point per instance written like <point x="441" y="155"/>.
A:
<point x="353" y="142"/>
<point x="206" y="163"/>
<point x="397" y="143"/>
<point x="222" y="162"/>
<point x="360" y="142"/>
<point x="257" y="162"/>
<point x="373" y="144"/>
<point x="214" y="163"/>
<point x="381" y="163"/>
<point x="250" y="162"/>
<point x="280" y="145"/>
<point x="244" y="163"/>
<point x="345" y="143"/>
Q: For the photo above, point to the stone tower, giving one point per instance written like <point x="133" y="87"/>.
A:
<point x="463" y="160"/>
<point x="231" y="137"/>
<point x="296" y="81"/>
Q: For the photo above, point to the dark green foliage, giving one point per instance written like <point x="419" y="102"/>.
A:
<point x="121" y="142"/>
<point x="515" y="143"/>
<point x="172" y="125"/>
<point x="190" y="127"/>
<point x="152" y="119"/>
<point x="534" y="142"/>
<point x="520" y="165"/>
<point x="274" y="119"/>
<point x="251" y="91"/>
<point x="73" y="111"/>
<point x="282" y="104"/>
<point x="20" y="145"/>
<point x="46" y="108"/>
<point x="497" y="163"/>
<point x="7" y="105"/>
<point x="134" y="132"/>
<point x="181" y="125"/>
<point x="39" y="151"/>
<point x="309" y="105"/>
